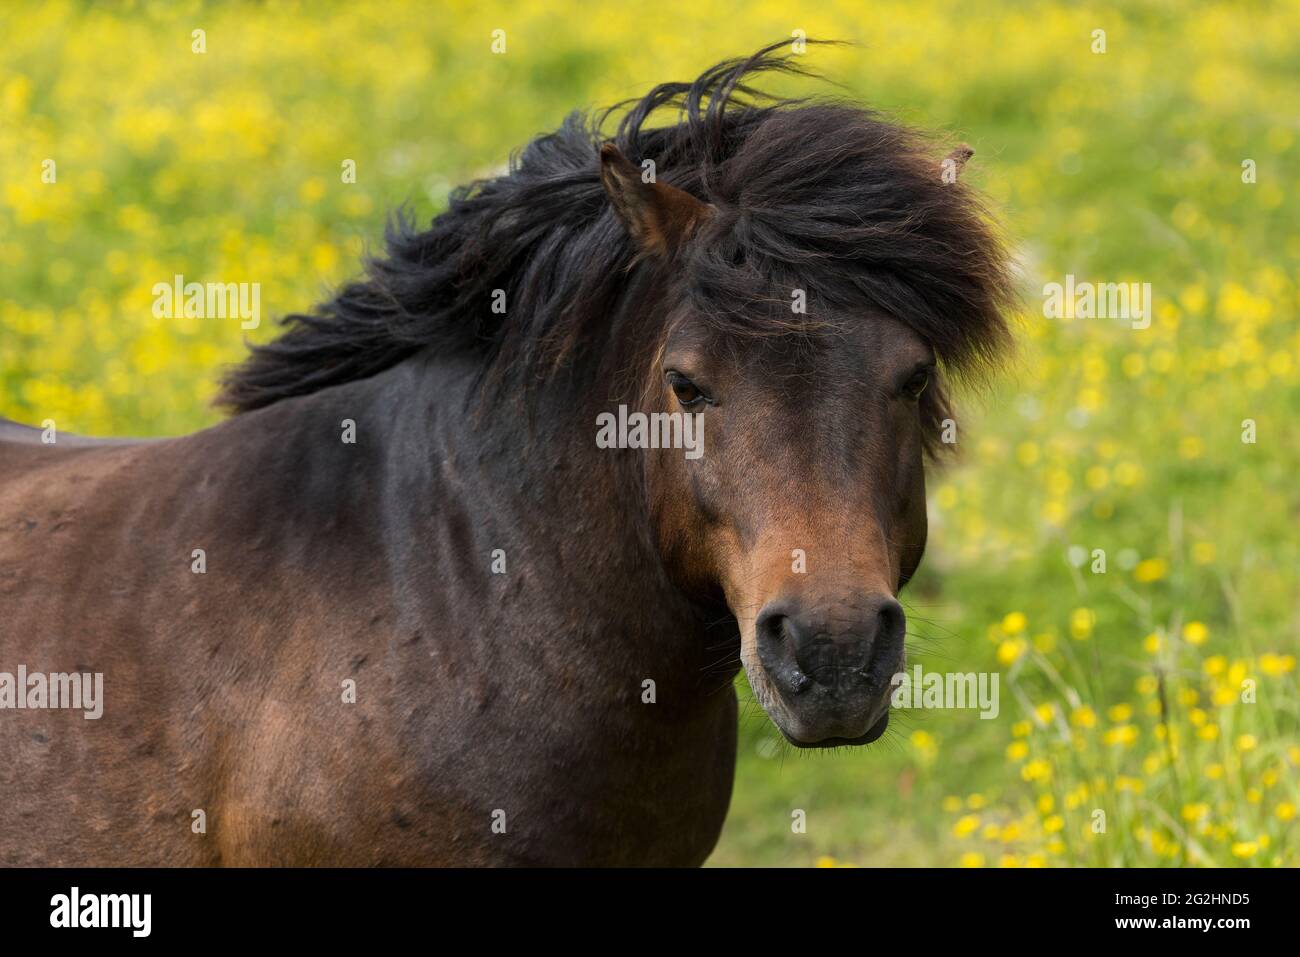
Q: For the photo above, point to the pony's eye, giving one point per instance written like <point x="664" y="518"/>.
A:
<point x="916" y="384"/>
<point x="686" y="391"/>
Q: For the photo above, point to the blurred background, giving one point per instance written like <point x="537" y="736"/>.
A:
<point x="1162" y="691"/>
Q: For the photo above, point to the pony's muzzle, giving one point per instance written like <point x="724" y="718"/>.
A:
<point x="832" y="666"/>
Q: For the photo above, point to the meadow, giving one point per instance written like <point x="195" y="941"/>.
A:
<point x="1116" y="537"/>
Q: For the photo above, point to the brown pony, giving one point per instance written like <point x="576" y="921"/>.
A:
<point x="443" y="591"/>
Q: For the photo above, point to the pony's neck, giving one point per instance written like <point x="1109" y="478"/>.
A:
<point x="520" y="511"/>
<point x="502" y="529"/>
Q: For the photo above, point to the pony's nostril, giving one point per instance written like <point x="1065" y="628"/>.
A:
<point x="777" y="638"/>
<point x="887" y="637"/>
<point x="770" y="630"/>
<point x="890" y="622"/>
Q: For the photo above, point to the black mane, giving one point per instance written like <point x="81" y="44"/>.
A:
<point x="820" y="195"/>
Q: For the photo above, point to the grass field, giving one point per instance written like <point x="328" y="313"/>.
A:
<point x="1162" y="691"/>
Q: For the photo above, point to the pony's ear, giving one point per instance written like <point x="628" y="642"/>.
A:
<point x="657" y="216"/>
<point x="955" y="162"/>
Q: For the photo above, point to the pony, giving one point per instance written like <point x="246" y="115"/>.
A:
<point x="403" y="608"/>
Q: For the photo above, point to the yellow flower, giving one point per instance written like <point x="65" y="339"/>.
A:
<point x="1120" y="713"/>
<point x="1214" y="771"/>
<point x="1097" y="478"/>
<point x="1223" y="695"/>
<point x="1046" y="804"/>
<point x="1284" y="811"/>
<point x="1014" y="623"/>
<point x="1082" y="621"/>
<point x="1151" y="643"/>
<point x="1244" y="849"/>
<point x="1123" y="735"/>
<point x="1036" y="770"/>
<point x="1010" y="650"/>
<point x="1053" y="824"/>
<point x="1127" y="473"/>
<point x="1150" y="570"/>
<point x="1195" y="633"/>
<point x="311" y="189"/>
<point x="1148" y="684"/>
<point x="825" y="861"/>
<point x="1022" y="729"/>
<point x="1054" y="512"/>
<point x="971" y="859"/>
<point x="1195" y="812"/>
<point x="1083" y="717"/>
<point x="976" y="801"/>
<point x="1017" y="751"/>
<point x="1274" y="665"/>
<point x="1214" y="665"/>
<point x="1208" y="732"/>
<point x="951" y="803"/>
<point x="1247" y="742"/>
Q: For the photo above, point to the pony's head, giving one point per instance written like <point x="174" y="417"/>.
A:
<point x="802" y="276"/>
<point x="818" y="268"/>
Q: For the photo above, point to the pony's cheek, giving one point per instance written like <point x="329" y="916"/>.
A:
<point x="713" y="503"/>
